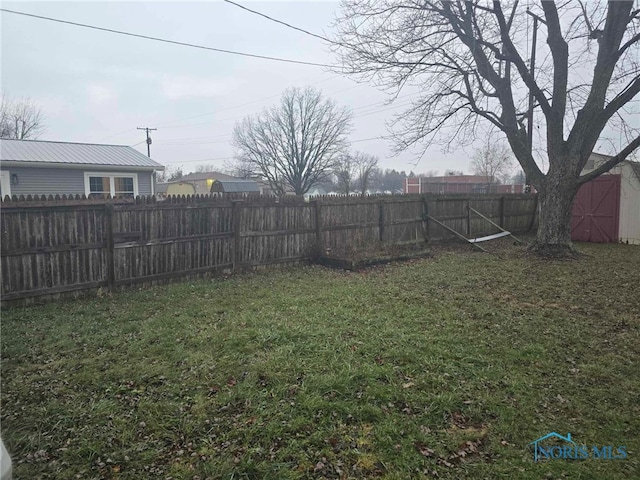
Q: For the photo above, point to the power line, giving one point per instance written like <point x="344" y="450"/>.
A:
<point x="228" y="108"/>
<point x="201" y="160"/>
<point x="164" y="40"/>
<point x="279" y="21"/>
<point x="367" y="139"/>
<point x="183" y="125"/>
<point x="250" y="103"/>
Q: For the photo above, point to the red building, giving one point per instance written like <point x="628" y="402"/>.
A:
<point x="457" y="184"/>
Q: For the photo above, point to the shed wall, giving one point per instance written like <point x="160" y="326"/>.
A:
<point x="629" y="205"/>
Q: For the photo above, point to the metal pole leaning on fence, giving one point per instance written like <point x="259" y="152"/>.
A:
<point x="459" y="235"/>
<point x="494" y="224"/>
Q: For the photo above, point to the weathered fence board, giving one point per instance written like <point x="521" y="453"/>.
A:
<point x="54" y="246"/>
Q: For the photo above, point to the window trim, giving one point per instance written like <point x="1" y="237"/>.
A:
<point x="5" y="183"/>
<point x="111" y="176"/>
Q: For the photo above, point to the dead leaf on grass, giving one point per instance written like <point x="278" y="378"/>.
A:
<point x="424" y="450"/>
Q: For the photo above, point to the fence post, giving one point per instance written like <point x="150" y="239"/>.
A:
<point x="425" y="215"/>
<point x="111" y="270"/>
<point x="534" y="213"/>
<point x="236" y="233"/>
<point x="468" y="217"/>
<point x="502" y="211"/>
<point x="318" y="224"/>
<point x="381" y="220"/>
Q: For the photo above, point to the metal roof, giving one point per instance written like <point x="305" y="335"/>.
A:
<point x="238" y="186"/>
<point x="207" y="176"/>
<point x="73" y="153"/>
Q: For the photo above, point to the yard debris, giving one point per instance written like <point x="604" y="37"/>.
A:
<point x="424" y="450"/>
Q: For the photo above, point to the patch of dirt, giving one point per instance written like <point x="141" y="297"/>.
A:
<point x="372" y="255"/>
<point x="376" y="250"/>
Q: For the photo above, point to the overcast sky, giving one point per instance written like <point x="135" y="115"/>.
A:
<point x="97" y="87"/>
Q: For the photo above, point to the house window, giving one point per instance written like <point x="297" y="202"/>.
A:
<point x="114" y="184"/>
<point x="5" y="184"/>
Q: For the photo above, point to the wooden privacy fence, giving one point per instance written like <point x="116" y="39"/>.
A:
<point x="55" y="246"/>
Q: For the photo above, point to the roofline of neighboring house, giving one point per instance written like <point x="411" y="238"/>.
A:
<point x="178" y="181"/>
<point x="100" y="166"/>
<point x="70" y="143"/>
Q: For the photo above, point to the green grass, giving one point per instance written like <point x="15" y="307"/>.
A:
<point x="444" y="367"/>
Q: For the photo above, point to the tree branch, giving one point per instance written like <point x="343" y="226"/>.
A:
<point x="612" y="162"/>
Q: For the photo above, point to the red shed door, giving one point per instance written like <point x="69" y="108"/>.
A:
<point x="596" y="211"/>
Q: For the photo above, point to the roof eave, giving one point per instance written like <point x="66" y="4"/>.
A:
<point x="21" y="163"/>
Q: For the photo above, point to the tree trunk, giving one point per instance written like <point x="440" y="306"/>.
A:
<point x="555" y="198"/>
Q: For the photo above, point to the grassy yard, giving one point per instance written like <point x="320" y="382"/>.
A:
<point x="440" y="368"/>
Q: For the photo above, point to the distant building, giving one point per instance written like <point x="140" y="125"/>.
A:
<point x="235" y="186"/>
<point x="473" y="184"/>
<point x="315" y="191"/>
<point x="179" y="187"/>
<point x="196" y="183"/>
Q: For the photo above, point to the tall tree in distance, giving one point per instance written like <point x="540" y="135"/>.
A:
<point x="471" y="60"/>
<point x="295" y="144"/>
<point x="241" y="168"/>
<point x="493" y="160"/>
<point x="355" y="172"/>
<point x="20" y="119"/>
<point x="345" y="171"/>
<point x="365" y="167"/>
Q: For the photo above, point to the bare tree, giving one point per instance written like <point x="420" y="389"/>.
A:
<point x="174" y="174"/>
<point x="295" y="144"/>
<point x="205" y="168"/>
<point x="345" y="171"/>
<point x="519" y="178"/>
<point x="470" y="59"/>
<point x="20" y="119"/>
<point x="241" y="168"/>
<point x="365" y="166"/>
<point x="494" y="161"/>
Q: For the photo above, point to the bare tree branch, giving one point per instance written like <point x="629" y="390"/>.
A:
<point x="294" y="145"/>
<point x="469" y="59"/>
<point x="20" y="119"/>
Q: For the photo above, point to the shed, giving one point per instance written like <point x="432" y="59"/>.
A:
<point x="607" y="209"/>
<point x="202" y="181"/>
<point x="180" y="187"/>
<point x="235" y="186"/>
<point x="35" y="167"/>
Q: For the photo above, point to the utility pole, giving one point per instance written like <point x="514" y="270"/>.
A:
<point x="147" y="129"/>
<point x="534" y="40"/>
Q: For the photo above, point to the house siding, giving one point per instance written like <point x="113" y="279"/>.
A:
<point x="62" y="181"/>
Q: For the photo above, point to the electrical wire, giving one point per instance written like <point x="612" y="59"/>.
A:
<point x="201" y="160"/>
<point x="279" y="21"/>
<point x="249" y="103"/>
<point x="164" y="40"/>
<point x="184" y="125"/>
